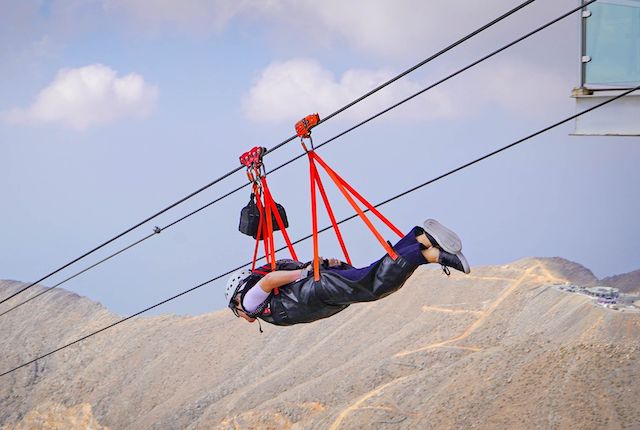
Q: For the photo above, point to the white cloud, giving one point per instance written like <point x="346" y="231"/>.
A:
<point x="87" y="96"/>
<point x="288" y="90"/>
<point x="398" y="32"/>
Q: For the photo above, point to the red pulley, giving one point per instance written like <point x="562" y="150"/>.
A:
<point x="253" y="156"/>
<point x="304" y="126"/>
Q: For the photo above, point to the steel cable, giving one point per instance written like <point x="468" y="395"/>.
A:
<point x="237" y="169"/>
<point x="326" y="118"/>
<point x="459" y="71"/>
<point x="397" y="196"/>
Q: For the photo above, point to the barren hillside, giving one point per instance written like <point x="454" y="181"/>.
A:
<point x="499" y="349"/>
<point x="627" y="282"/>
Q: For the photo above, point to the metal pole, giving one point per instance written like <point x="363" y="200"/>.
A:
<point x="583" y="44"/>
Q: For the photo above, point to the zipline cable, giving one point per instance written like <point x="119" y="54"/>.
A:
<point x="157" y="230"/>
<point x="404" y="193"/>
<point x="434" y="56"/>
<point x="237" y="169"/>
<point x="486" y="57"/>
<point x="139" y="241"/>
<point x="422" y="91"/>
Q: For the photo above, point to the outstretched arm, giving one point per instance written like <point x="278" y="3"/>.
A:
<point x="278" y="279"/>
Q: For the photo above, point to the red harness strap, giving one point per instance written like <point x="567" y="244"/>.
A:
<point x="340" y="182"/>
<point x="266" y="208"/>
<point x="349" y="193"/>
<point x="262" y="230"/>
<point x="271" y="205"/>
<point x="317" y="182"/>
<point x="303" y="129"/>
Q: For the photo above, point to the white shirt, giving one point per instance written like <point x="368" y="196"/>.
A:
<point x="254" y="297"/>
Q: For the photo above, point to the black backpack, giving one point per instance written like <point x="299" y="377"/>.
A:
<point x="250" y="218"/>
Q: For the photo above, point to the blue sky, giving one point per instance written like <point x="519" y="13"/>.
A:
<point x="110" y="110"/>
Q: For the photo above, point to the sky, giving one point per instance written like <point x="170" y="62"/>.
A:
<point x="111" y="110"/>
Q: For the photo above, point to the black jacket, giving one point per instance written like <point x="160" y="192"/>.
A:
<point x="306" y="300"/>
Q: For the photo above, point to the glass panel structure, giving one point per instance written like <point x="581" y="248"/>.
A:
<point x="611" y="44"/>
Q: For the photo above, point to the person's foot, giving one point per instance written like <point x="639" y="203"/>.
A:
<point x="441" y="237"/>
<point x="455" y="261"/>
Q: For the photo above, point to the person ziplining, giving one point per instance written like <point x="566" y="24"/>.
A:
<point x="287" y="291"/>
<point x="301" y="299"/>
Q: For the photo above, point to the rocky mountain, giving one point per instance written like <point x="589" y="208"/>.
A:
<point x="627" y="282"/>
<point x="498" y="349"/>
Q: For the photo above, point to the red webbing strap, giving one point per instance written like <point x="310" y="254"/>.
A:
<point x="263" y="233"/>
<point x="258" y="234"/>
<point x="267" y="230"/>
<point x="327" y="205"/>
<point x="340" y="183"/>
<point x="314" y="221"/>
<point x="263" y="270"/>
<point x="362" y="199"/>
<point x="255" y="254"/>
<point x="269" y="236"/>
<point x="274" y="210"/>
<point x="371" y="207"/>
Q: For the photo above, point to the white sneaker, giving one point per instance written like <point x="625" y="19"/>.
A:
<point x="441" y="237"/>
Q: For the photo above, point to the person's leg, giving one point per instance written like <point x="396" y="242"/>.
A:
<point x="431" y="254"/>
<point x="438" y="236"/>
<point x="424" y="240"/>
<point x="417" y="249"/>
<point x="409" y="238"/>
<point x="441" y="245"/>
<point x="384" y="276"/>
<point x="434" y="254"/>
<point x="408" y="247"/>
<point x="343" y="287"/>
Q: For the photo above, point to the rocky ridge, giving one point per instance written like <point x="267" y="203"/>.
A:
<point x="626" y="283"/>
<point x="499" y="349"/>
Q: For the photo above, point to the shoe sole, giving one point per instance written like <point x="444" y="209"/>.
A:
<point x="447" y="239"/>
<point x="465" y="263"/>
